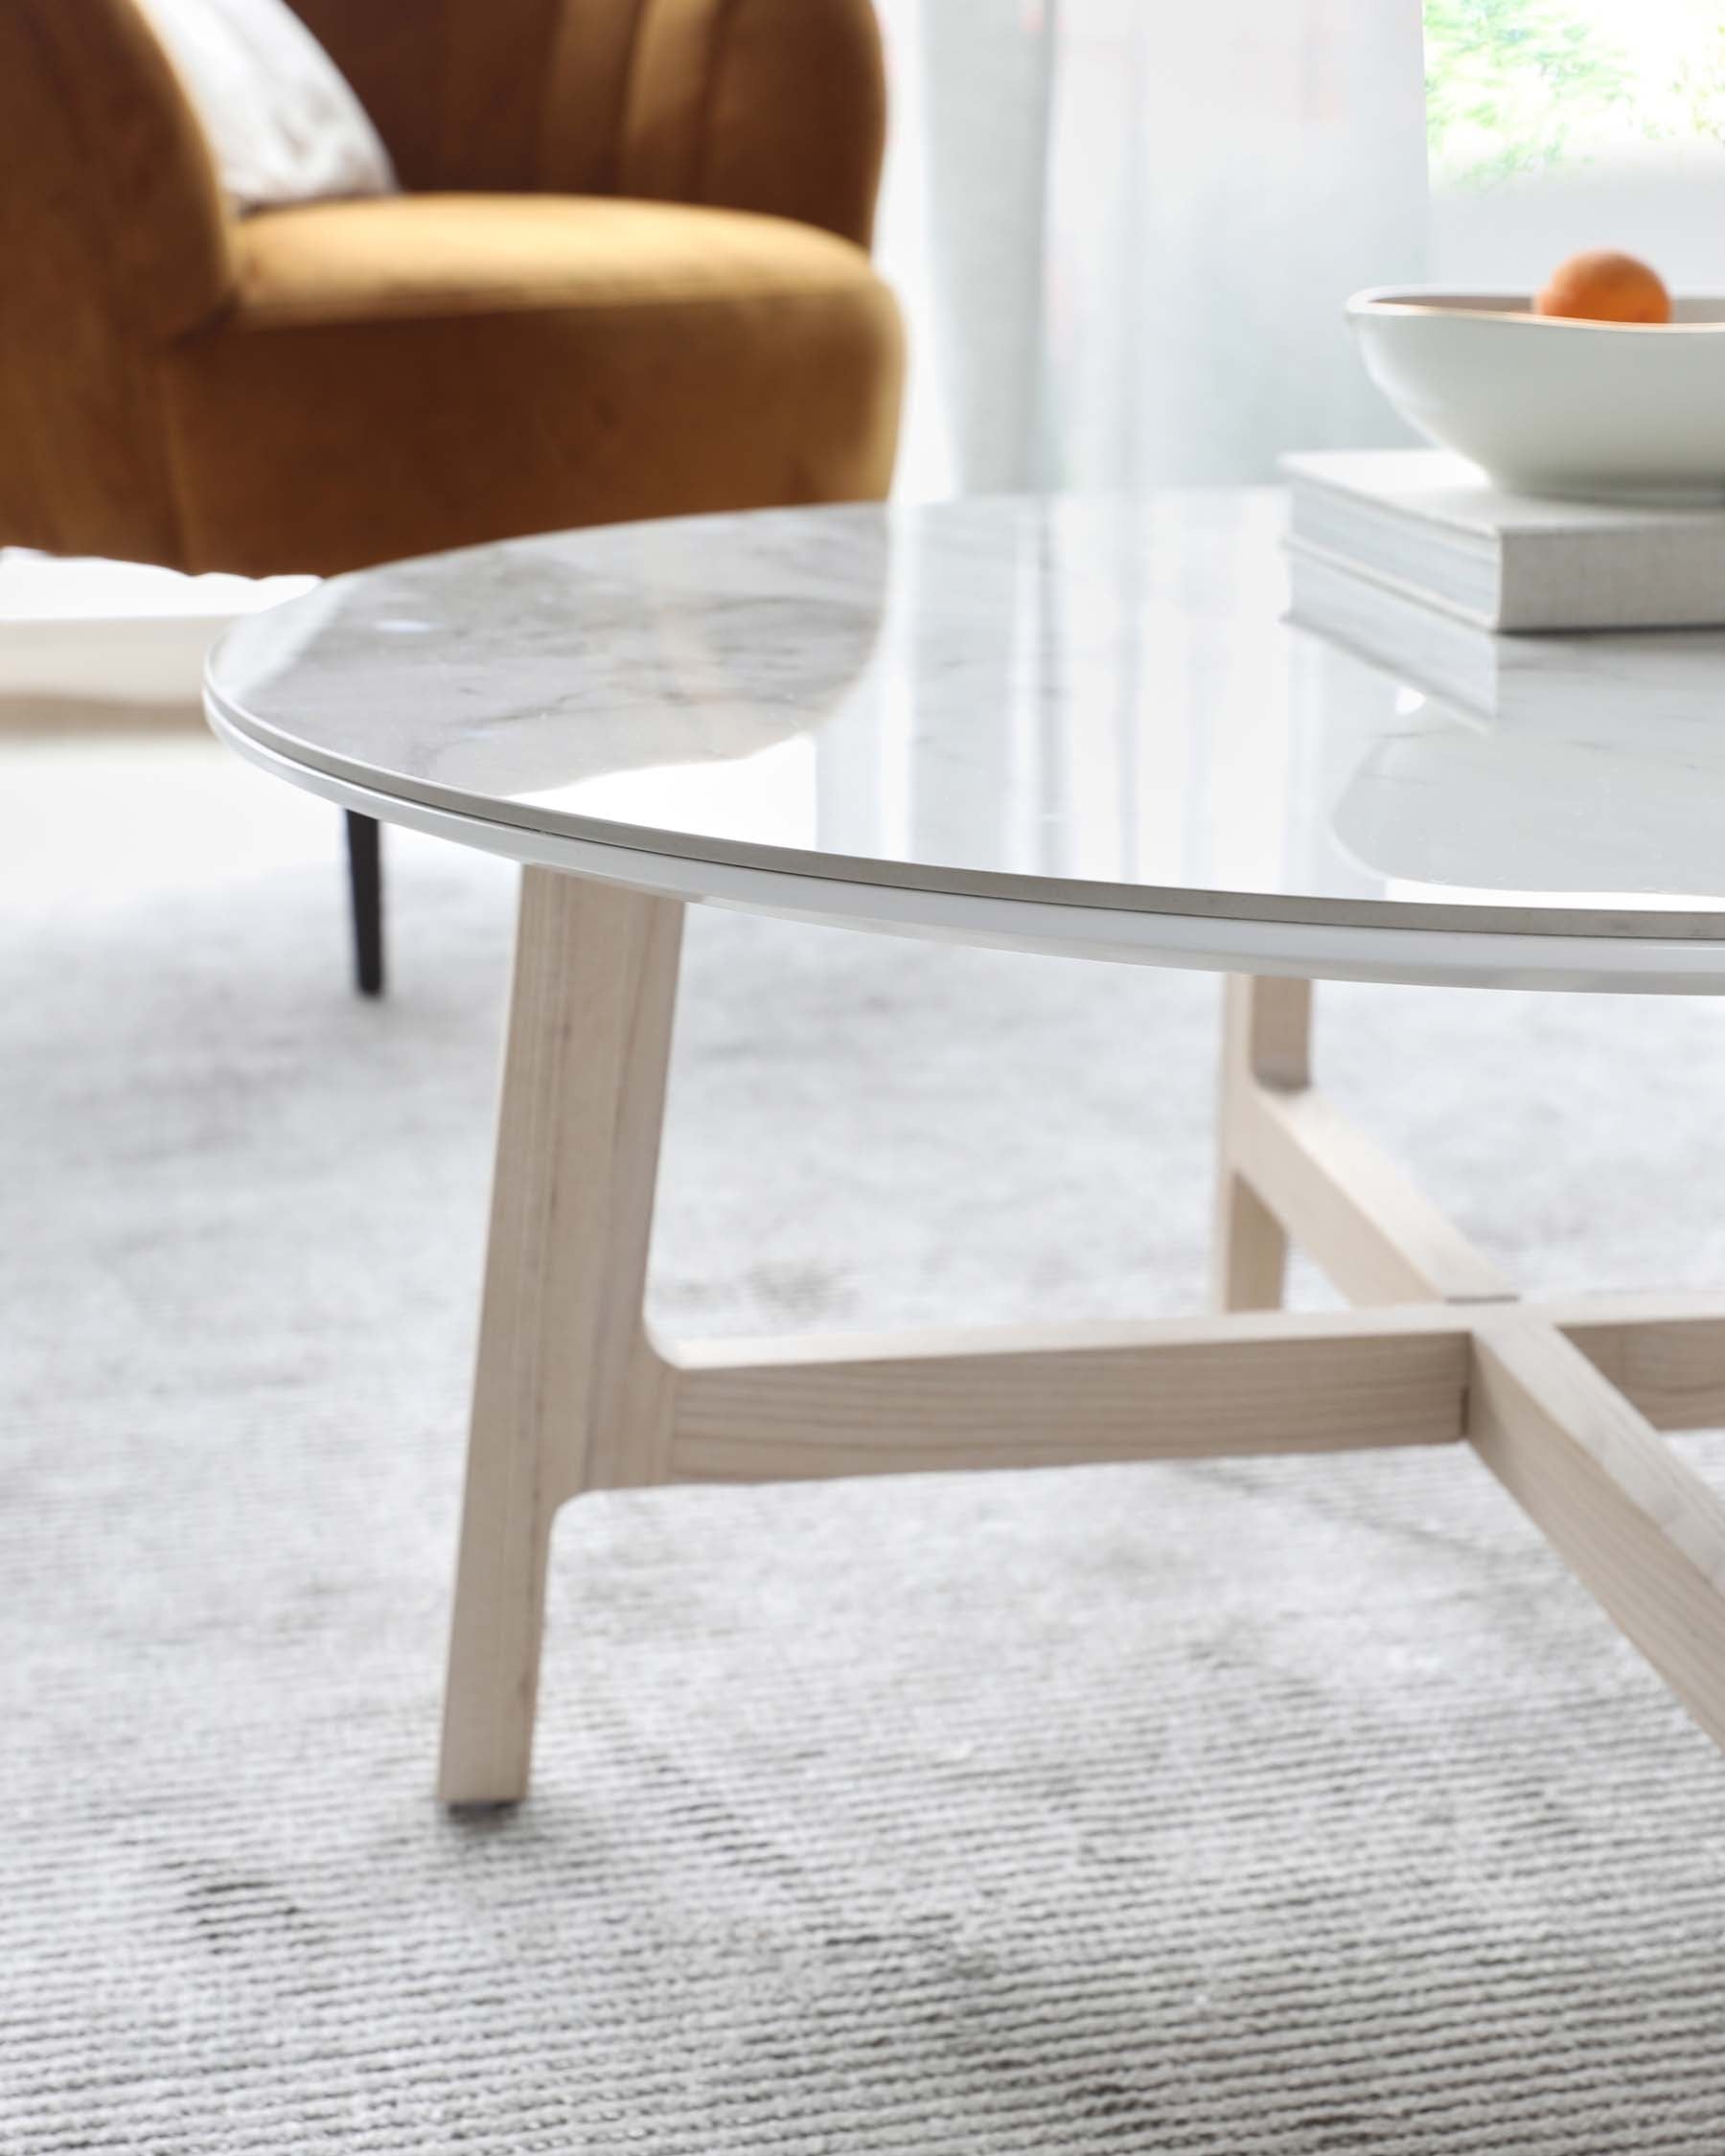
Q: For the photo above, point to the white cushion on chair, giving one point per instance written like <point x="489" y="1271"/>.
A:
<point x="283" y="121"/>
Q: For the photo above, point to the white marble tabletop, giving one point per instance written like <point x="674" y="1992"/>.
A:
<point x="1064" y="722"/>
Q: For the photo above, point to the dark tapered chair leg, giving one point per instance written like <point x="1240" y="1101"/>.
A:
<point x="365" y="876"/>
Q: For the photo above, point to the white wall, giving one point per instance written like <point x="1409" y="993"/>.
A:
<point x="1667" y="204"/>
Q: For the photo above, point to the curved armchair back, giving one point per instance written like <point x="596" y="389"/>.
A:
<point x="455" y="87"/>
<point x="115" y="242"/>
<point x="778" y="105"/>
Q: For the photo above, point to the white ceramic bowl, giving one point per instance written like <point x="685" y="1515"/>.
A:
<point x="1549" y="406"/>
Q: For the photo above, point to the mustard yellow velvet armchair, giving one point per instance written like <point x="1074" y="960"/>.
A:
<point x="629" y="278"/>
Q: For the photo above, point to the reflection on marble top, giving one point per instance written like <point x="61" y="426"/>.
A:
<point x="1042" y="696"/>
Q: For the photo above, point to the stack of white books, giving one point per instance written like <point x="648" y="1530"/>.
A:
<point x="1412" y="558"/>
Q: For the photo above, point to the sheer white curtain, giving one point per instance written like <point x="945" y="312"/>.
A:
<point x="1124" y="230"/>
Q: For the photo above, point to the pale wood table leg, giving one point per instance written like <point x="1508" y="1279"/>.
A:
<point x="1633" y="1521"/>
<point x="1564" y="1399"/>
<point x="570" y="1393"/>
<point x="1266" y="1041"/>
<point x="1561" y="1399"/>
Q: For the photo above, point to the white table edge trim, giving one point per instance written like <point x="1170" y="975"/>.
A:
<point x="1313" y="950"/>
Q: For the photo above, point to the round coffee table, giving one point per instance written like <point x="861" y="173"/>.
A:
<point x="1065" y="726"/>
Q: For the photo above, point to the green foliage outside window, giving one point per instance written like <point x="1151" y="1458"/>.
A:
<point x="1513" y="85"/>
<point x="1525" y="85"/>
<point x="1700" y="90"/>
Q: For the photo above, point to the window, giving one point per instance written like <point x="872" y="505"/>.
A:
<point x="1555" y="124"/>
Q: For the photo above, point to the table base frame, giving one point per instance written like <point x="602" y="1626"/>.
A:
<point x="1563" y="1399"/>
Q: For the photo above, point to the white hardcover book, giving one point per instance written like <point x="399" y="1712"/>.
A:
<point x="1432" y="524"/>
<point x="1575" y="684"/>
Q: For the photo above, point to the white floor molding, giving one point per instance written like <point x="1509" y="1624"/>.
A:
<point x="115" y="630"/>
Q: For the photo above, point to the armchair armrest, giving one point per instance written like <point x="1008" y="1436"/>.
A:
<point x="116" y="242"/>
<point x="112" y="200"/>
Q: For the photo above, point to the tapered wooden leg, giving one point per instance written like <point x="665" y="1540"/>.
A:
<point x="1561" y="1399"/>
<point x="570" y="1393"/>
<point x="1632" y="1519"/>
<point x="1266" y="1040"/>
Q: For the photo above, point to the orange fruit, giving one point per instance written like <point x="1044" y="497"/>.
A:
<point x="1602" y="286"/>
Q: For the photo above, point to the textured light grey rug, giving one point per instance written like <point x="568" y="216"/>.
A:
<point x="1244" y="1811"/>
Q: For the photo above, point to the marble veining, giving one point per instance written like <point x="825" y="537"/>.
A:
<point x="1090" y="701"/>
